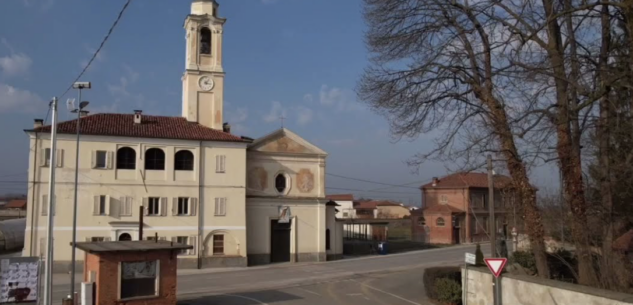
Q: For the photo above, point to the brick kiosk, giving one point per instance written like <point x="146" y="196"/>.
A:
<point x="132" y="272"/>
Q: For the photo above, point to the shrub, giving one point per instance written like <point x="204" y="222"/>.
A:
<point x="479" y="257"/>
<point x="448" y="291"/>
<point x="525" y="259"/>
<point x="434" y="273"/>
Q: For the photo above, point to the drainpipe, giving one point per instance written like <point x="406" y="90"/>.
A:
<point x="33" y="204"/>
<point x="200" y="200"/>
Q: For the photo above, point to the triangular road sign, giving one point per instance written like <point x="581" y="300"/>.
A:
<point x="496" y="265"/>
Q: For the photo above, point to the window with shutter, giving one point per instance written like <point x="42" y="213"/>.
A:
<point x="183" y="206"/>
<point x="46" y="157"/>
<point x="220" y="206"/>
<point x="220" y="164"/>
<point x="44" y="205"/>
<point x="101" y="159"/>
<point x="59" y="162"/>
<point x="184" y="241"/>
<point x="153" y="207"/>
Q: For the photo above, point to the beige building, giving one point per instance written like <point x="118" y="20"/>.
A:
<point x="237" y="201"/>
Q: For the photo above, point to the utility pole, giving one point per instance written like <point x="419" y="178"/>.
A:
<point x="79" y="110"/>
<point x="493" y="230"/>
<point x="51" y="207"/>
<point x="491" y="210"/>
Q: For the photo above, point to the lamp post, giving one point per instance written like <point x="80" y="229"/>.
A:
<point x="79" y="110"/>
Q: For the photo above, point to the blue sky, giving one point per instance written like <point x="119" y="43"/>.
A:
<point x="299" y="58"/>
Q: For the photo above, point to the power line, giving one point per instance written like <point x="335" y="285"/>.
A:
<point x="406" y="184"/>
<point x="94" y="56"/>
<point x="369" y="181"/>
<point x="357" y="190"/>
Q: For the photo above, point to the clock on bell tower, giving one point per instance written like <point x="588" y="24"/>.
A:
<point x="203" y="80"/>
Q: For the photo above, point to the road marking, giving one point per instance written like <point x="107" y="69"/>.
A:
<point x="245" y="298"/>
<point x="308" y="291"/>
<point x="354" y="294"/>
<point x="391" y="294"/>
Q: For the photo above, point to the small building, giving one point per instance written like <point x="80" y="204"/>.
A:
<point x="346" y="205"/>
<point x="456" y="207"/>
<point x="381" y="209"/>
<point x="132" y="272"/>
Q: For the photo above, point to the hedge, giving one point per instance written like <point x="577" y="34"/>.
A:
<point x="431" y="277"/>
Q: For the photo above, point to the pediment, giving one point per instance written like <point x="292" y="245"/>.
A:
<point x="285" y="141"/>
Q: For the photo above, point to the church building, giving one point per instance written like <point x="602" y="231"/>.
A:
<point x="238" y="201"/>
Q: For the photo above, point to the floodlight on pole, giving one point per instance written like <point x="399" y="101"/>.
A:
<point x="79" y="110"/>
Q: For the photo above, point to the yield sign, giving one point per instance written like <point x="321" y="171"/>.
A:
<point x="496" y="265"/>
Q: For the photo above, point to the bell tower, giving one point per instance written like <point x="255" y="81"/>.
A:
<point x="203" y="80"/>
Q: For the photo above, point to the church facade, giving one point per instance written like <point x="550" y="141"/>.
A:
<point x="237" y="201"/>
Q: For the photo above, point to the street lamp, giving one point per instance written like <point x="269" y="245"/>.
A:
<point x="79" y="111"/>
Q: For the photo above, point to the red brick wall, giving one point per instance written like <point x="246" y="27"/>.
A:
<point x="440" y="235"/>
<point x="417" y="229"/>
<point x="106" y="266"/>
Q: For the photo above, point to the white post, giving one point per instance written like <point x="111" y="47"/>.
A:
<point x="51" y="207"/>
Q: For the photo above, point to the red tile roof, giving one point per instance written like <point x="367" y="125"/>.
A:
<point x="162" y="127"/>
<point x="469" y="180"/>
<point x="16" y="204"/>
<point x="372" y="204"/>
<point x="442" y="208"/>
<point x="341" y="197"/>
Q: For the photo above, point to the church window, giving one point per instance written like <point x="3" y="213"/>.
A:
<point x="281" y="183"/>
<point x="205" y="41"/>
<point x="439" y="222"/>
<point x="154" y="159"/>
<point x="184" y="161"/>
<point x="126" y="158"/>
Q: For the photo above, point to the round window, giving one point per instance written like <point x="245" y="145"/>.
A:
<point x="281" y="183"/>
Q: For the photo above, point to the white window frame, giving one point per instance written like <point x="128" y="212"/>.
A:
<point x="220" y="206"/>
<point x="185" y="242"/>
<point x="158" y="209"/>
<point x="105" y="159"/>
<point x="47" y="157"/>
<point x="186" y="202"/>
<point x="103" y="205"/>
<point x="220" y="164"/>
<point x="443" y="199"/>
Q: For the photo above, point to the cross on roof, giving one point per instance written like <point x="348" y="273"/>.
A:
<point x="282" y="118"/>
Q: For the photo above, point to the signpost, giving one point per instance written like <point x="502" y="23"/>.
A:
<point x="496" y="266"/>
<point x="471" y="259"/>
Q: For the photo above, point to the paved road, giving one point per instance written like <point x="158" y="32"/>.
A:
<point x="390" y="279"/>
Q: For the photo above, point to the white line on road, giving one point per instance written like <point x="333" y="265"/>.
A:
<point x="391" y="294"/>
<point x="245" y="298"/>
<point x="308" y="291"/>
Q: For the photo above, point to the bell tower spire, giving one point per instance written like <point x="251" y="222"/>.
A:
<point x="203" y="79"/>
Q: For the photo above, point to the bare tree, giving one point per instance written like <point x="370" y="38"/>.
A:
<point x="440" y="65"/>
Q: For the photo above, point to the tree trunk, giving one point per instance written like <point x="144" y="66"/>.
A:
<point x="516" y="167"/>
<point x="569" y="159"/>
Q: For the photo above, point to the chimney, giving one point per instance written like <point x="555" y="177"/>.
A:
<point x="137" y="116"/>
<point x="83" y="114"/>
<point x="226" y="127"/>
<point x="37" y="123"/>
<point x="435" y="181"/>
